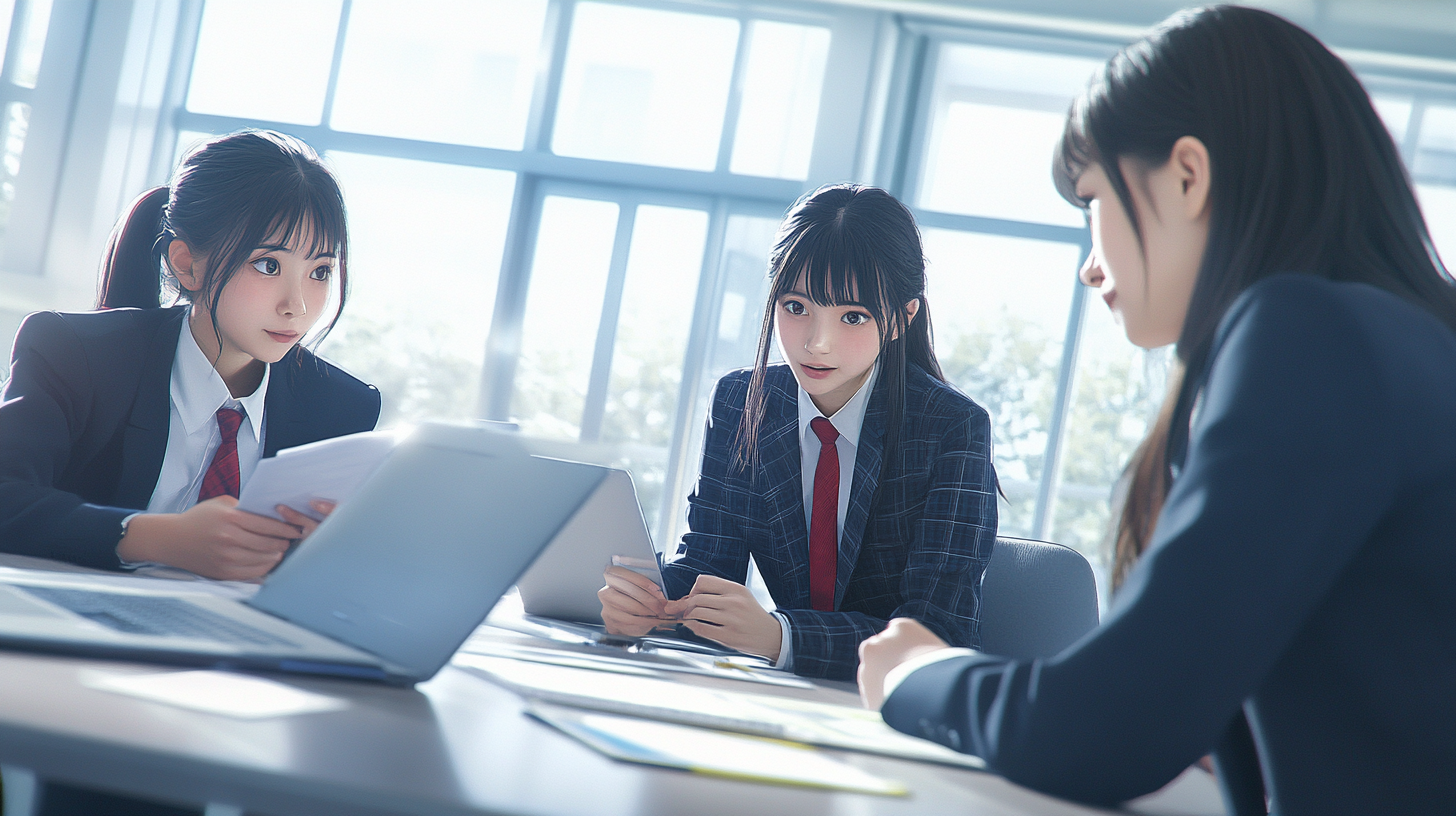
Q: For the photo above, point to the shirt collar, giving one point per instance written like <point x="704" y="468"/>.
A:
<point x="847" y="420"/>
<point x="198" y="390"/>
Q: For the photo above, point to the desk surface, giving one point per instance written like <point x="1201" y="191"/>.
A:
<point x="457" y="744"/>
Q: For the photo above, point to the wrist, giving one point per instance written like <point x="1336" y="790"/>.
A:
<point x="139" y="537"/>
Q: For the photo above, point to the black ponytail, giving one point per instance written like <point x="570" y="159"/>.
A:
<point x="131" y="268"/>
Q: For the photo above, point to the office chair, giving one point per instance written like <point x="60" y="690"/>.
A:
<point x="1037" y="598"/>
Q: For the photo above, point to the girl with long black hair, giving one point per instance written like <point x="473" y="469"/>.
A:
<point x="126" y="433"/>
<point x="857" y="479"/>
<point x="1293" y="607"/>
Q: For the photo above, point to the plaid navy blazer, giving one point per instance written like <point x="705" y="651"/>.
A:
<point x="916" y="537"/>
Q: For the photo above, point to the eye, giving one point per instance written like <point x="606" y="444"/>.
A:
<point x="268" y="266"/>
<point x="856" y="318"/>
<point x="793" y="307"/>
<point x="322" y="273"/>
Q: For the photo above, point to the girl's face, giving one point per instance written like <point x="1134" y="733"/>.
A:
<point x="831" y="349"/>
<point x="265" y="308"/>
<point x="1148" y="288"/>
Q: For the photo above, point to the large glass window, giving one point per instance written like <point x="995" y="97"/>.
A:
<point x="561" y="210"/>
<point x="249" y="66"/>
<point x="999" y="309"/>
<point x="995" y="115"/>
<point x="645" y="86"/>
<point x="426" y="242"/>
<point x="457" y="71"/>
<point x="502" y="264"/>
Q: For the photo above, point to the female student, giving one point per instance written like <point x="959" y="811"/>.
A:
<point x="126" y="433"/>
<point x="1299" y="586"/>
<point x="859" y="481"/>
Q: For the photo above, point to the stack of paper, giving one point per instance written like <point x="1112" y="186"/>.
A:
<point x="712" y="752"/>
<point x="832" y="726"/>
<point x="332" y="469"/>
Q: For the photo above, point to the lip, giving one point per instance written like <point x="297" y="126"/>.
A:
<point x="815" y="373"/>
<point x="283" y="336"/>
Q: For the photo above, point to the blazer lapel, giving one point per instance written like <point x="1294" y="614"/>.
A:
<point x="144" y="440"/>
<point x="780" y="465"/>
<point x="284" y="425"/>
<point x="867" y="460"/>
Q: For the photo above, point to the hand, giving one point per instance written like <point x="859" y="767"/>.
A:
<point x="632" y="604"/>
<point x="726" y="612"/>
<point x="212" y="538"/>
<point x="305" y="524"/>
<point x="902" y="640"/>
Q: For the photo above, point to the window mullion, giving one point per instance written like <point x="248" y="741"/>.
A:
<point x="1041" y="523"/>
<point x="594" y="409"/>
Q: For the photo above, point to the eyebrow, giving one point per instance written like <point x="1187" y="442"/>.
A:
<point x="282" y="248"/>
<point x="798" y="294"/>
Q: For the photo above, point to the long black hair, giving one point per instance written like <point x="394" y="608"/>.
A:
<point x="228" y="196"/>
<point x="1305" y="178"/>
<point x="849" y="243"/>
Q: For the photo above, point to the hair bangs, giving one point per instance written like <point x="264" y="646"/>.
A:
<point x="1074" y="153"/>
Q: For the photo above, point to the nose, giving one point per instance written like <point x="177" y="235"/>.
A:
<point x="1091" y="271"/>
<point x="292" y="303"/>
<point x="819" y="339"/>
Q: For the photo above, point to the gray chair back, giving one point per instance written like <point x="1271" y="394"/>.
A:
<point x="1037" y="598"/>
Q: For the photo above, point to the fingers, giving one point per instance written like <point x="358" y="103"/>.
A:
<point x="706" y="630"/>
<point x="636" y="579"/>
<point x="305" y="525"/>
<point x="323" y="506"/>
<point x="622" y="623"/>
<point x="709" y="590"/>
<point x="624" y="590"/>
<point x="264" y="526"/>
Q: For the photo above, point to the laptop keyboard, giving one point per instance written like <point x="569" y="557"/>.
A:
<point x="149" y="615"/>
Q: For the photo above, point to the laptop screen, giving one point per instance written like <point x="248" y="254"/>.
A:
<point x="413" y="562"/>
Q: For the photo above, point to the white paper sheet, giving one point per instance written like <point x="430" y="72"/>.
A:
<point x="332" y="469"/>
<point x="216" y="692"/>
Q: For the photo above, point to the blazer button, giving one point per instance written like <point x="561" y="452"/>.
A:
<point x="925" y="730"/>
<point x="955" y="738"/>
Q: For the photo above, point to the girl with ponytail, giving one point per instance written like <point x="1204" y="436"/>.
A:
<point x="1288" y="580"/>
<point x="127" y="433"/>
<point x="857" y="479"/>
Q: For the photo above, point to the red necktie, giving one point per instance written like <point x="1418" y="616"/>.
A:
<point x="824" y="520"/>
<point x="221" y="478"/>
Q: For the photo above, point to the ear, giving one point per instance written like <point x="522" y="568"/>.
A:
<point x="912" y="308"/>
<point x="189" y="269"/>
<point x="1192" y="170"/>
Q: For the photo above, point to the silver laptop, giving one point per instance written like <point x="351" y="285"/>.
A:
<point x="608" y="528"/>
<point x="386" y="588"/>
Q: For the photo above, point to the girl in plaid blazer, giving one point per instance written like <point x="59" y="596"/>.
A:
<point x="857" y="479"/>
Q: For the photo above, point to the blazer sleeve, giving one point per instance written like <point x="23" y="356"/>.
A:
<point x="720" y="508"/>
<point x="44" y="407"/>
<point x="950" y="544"/>
<point x="1291" y="466"/>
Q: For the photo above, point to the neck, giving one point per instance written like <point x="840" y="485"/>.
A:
<point x="240" y="372"/>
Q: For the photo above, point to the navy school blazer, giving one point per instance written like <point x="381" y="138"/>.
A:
<point x="917" y="535"/>
<point x="84" y="420"/>
<point x="1302" y="575"/>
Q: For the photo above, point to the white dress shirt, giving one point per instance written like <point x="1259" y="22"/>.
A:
<point x="192" y="433"/>
<point x="848" y="421"/>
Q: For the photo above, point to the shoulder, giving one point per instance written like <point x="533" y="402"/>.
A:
<point x="1304" y="316"/>
<point x="315" y="380"/>
<point x="107" y="326"/>
<point x="934" y="403"/>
